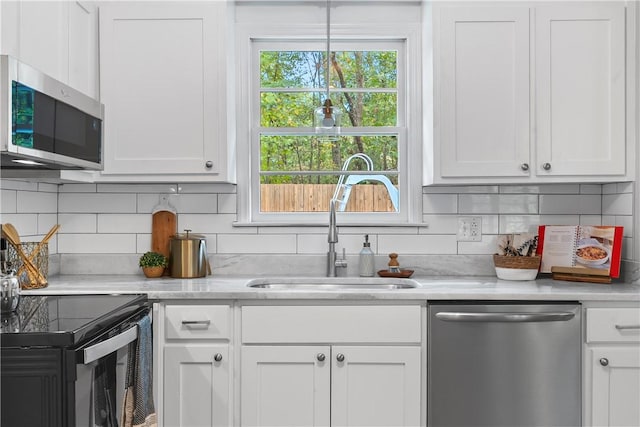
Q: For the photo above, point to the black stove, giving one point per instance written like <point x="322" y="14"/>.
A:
<point x="65" y="320"/>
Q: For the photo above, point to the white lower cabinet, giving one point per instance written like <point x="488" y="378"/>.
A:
<point x="196" y="386"/>
<point x="330" y="366"/>
<point x="612" y="370"/>
<point x="195" y="361"/>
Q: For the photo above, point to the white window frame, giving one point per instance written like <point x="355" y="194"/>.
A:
<point x="408" y="128"/>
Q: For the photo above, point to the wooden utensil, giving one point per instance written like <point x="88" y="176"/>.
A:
<point x="164" y="225"/>
<point x="13" y="237"/>
<point x="39" y="246"/>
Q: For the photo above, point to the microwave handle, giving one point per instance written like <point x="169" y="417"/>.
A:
<point x="101" y="349"/>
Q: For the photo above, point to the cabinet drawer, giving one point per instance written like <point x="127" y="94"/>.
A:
<point x="198" y="322"/>
<point x="334" y="324"/>
<point x="613" y="325"/>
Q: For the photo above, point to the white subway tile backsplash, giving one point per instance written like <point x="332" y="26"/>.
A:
<point x="540" y="189"/>
<point x="317" y="244"/>
<point x="609" y="188"/>
<point x="441" y="224"/>
<point x="627" y="223"/>
<point x="124" y="223"/>
<point x="560" y="219"/>
<point x="257" y="243"/>
<point x="227" y="203"/>
<point x="46" y="221"/>
<point x="376" y="230"/>
<point x="420" y="244"/>
<point x="519" y="224"/>
<point x="96" y="243"/>
<point x="439" y="203"/>
<point x="26" y="224"/>
<point x="196" y="203"/>
<point x="8" y="201"/>
<point x="36" y="202"/>
<point x="590" y="220"/>
<point x="206" y="188"/>
<point x="486" y="246"/>
<point x="97" y="203"/>
<point x="590" y="189"/>
<point x="482" y="189"/>
<point x="138" y="188"/>
<point x="78" y="223"/>
<point x="498" y="203"/>
<point x="617" y="204"/>
<point x="45" y="187"/>
<point x="212" y="224"/>
<point x="624" y="187"/>
<point x="143" y="243"/>
<point x="13" y="184"/>
<point x="586" y="204"/>
<point x="78" y="188"/>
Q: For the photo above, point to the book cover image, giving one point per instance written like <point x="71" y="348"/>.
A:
<point x="581" y="246"/>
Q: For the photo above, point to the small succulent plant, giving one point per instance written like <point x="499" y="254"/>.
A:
<point x="153" y="259"/>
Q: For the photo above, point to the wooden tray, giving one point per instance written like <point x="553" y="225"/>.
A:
<point x="404" y="274"/>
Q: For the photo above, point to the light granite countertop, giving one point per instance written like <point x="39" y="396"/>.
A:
<point x="432" y="288"/>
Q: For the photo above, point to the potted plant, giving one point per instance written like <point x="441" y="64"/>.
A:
<point x="153" y="264"/>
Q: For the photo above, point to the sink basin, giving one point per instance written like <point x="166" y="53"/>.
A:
<point x="331" y="283"/>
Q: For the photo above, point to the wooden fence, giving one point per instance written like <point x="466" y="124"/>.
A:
<point x="315" y="198"/>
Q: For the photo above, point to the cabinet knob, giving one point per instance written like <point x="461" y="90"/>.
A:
<point x="340" y="357"/>
<point x="320" y="357"/>
<point x="604" y="361"/>
<point x="209" y="164"/>
<point x="524" y="166"/>
<point x="546" y="166"/>
<point x="217" y="357"/>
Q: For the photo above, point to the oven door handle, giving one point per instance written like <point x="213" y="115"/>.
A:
<point x="101" y="349"/>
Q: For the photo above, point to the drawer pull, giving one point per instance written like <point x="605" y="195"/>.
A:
<point x="340" y="357"/>
<point x="217" y="357"/>
<point x="196" y="322"/>
<point x="623" y="327"/>
<point x="604" y="361"/>
<point x="320" y="357"/>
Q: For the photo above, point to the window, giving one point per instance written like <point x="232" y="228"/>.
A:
<point x="294" y="171"/>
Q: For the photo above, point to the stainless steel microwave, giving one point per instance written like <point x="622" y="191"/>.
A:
<point x="46" y="124"/>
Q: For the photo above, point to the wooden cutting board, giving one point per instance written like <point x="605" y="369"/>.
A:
<point x="163" y="226"/>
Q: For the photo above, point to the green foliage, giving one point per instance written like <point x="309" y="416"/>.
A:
<point x="153" y="259"/>
<point x="304" y="73"/>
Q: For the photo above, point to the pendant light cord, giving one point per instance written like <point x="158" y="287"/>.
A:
<point x="328" y="45"/>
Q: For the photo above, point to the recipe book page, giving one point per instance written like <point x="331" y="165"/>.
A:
<point x="583" y="247"/>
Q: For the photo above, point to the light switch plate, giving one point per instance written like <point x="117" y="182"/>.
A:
<point x="469" y="229"/>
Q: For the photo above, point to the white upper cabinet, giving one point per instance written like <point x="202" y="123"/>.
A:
<point x="580" y="90"/>
<point x="58" y="38"/>
<point x="484" y="91"/>
<point x="533" y="94"/>
<point x="164" y="86"/>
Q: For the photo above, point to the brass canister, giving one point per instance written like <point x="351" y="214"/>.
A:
<point x="188" y="255"/>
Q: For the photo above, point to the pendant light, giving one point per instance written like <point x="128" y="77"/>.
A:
<point x="327" y="117"/>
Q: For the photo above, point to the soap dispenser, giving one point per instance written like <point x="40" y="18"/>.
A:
<point x="367" y="261"/>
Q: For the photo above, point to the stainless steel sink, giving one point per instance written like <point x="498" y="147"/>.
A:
<point x="330" y="283"/>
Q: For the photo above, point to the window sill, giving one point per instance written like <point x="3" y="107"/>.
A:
<point x="324" y="225"/>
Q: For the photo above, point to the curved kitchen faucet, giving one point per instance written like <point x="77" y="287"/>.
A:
<point x="332" y="262"/>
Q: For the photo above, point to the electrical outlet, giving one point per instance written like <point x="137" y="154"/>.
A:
<point x="469" y="229"/>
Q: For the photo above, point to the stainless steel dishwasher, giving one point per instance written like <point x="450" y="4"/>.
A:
<point x="504" y="364"/>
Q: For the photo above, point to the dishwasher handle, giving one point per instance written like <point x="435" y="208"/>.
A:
<point x="450" y="316"/>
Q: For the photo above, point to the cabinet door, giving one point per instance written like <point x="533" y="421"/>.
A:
<point x="285" y="386"/>
<point x="580" y="90"/>
<point x="83" y="47"/>
<point x="197" y="386"/>
<point x="375" y="386"/>
<point x="615" y="386"/>
<point x="160" y="83"/>
<point x="44" y="37"/>
<point x="483" y="75"/>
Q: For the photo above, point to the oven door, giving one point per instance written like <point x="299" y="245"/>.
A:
<point x="100" y="379"/>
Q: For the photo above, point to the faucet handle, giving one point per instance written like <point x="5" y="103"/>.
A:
<point x="342" y="262"/>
